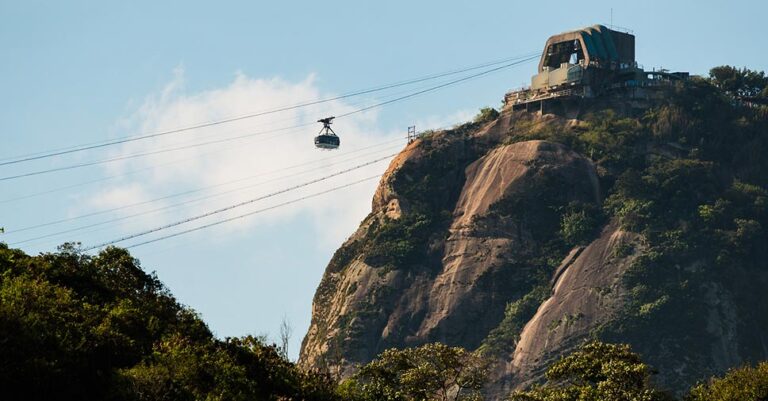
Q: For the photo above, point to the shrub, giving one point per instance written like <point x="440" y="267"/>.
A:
<point x="580" y="223"/>
<point x="742" y="384"/>
<point x="486" y="114"/>
<point x="504" y="338"/>
<point x="596" y="372"/>
<point x="429" y="372"/>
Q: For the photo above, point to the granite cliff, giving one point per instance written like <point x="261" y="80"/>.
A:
<point x="522" y="236"/>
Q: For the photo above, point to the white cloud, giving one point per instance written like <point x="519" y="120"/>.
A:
<point x="265" y="157"/>
<point x="268" y="156"/>
<point x="327" y="219"/>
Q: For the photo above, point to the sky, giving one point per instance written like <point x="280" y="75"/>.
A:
<point x="85" y="72"/>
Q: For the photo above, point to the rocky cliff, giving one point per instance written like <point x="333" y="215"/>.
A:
<point x="522" y="236"/>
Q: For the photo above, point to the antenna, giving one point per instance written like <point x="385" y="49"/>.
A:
<point x="411" y="134"/>
<point x="611" y="17"/>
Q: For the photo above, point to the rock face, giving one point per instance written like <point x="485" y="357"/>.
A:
<point x="586" y="293"/>
<point x="467" y="222"/>
<point x="458" y="291"/>
<point x="479" y="247"/>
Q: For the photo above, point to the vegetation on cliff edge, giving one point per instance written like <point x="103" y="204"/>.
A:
<point x="690" y="176"/>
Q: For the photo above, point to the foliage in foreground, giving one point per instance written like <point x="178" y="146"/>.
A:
<point x="596" y="372"/>
<point x="76" y="327"/>
<point x="430" y="372"/>
<point x="742" y="384"/>
<point x="612" y="372"/>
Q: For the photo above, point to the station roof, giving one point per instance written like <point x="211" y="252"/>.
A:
<point x="596" y="43"/>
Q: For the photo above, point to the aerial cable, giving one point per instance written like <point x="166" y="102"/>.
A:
<point x="142" y="213"/>
<point x="198" y="199"/>
<point x="420" y="92"/>
<point x="135" y="155"/>
<point x="102" y="179"/>
<point x="196" y="190"/>
<point x="206" y="197"/>
<point x="154" y="152"/>
<point x="319" y="160"/>
<point x="434" y="88"/>
<point x="96" y="145"/>
<point x="250" y="177"/>
<point x="132" y="172"/>
<point x="154" y="167"/>
<point x="239" y="204"/>
<point x="227" y="220"/>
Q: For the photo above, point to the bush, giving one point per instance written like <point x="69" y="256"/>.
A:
<point x="429" y="372"/>
<point x="503" y="339"/>
<point x="76" y="327"/>
<point x="580" y="223"/>
<point x="742" y="384"/>
<point x="596" y="372"/>
<point x="740" y="82"/>
<point x="486" y="114"/>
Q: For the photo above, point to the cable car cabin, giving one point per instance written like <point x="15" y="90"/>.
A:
<point x="327" y="139"/>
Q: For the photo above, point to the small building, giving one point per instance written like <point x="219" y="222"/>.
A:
<point x="587" y="63"/>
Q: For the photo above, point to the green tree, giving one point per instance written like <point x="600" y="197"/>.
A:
<point x="80" y="327"/>
<point x="742" y="384"/>
<point x="740" y="82"/>
<point x="486" y="114"/>
<point x="503" y="339"/>
<point x="430" y="372"/>
<point x="596" y="372"/>
<point x="579" y="223"/>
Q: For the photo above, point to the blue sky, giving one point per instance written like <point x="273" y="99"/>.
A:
<point x="75" y="72"/>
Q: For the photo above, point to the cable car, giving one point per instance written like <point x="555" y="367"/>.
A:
<point x="327" y="139"/>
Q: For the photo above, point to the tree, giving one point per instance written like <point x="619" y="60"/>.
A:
<point x="579" y="223"/>
<point x="285" y="336"/>
<point x="486" y="114"/>
<point x="596" y="372"/>
<point x="742" y="384"/>
<point x="744" y="82"/>
<point x="80" y="327"/>
<point x="430" y="372"/>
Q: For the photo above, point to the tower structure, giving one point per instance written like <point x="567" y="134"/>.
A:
<point x="589" y="63"/>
